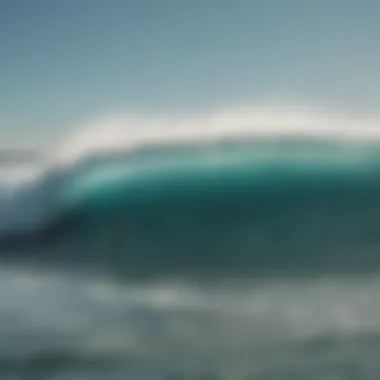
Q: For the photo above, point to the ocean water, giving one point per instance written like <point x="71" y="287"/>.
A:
<point x="221" y="257"/>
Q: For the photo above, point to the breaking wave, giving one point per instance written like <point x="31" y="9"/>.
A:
<point x="251" y="190"/>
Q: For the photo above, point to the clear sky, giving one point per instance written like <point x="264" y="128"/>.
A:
<point x="62" y="61"/>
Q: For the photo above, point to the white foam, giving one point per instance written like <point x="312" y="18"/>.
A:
<point x="174" y="322"/>
<point x="130" y="131"/>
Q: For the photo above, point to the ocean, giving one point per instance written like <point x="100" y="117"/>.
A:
<point x="226" y="256"/>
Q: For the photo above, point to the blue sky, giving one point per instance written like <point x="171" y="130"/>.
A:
<point x="63" y="61"/>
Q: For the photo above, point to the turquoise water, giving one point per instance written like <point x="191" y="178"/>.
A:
<point x="208" y="170"/>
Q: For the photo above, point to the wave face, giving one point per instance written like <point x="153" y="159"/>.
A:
<point x="264" y="207"/>
<point x="229" y="207"/>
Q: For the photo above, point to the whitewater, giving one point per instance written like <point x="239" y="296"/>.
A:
<point x="238" y="244"/>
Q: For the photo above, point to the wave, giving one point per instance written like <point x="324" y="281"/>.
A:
<point x="259" y="191"/>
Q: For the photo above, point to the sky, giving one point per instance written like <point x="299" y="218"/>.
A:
<point x="65" y="61"/>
